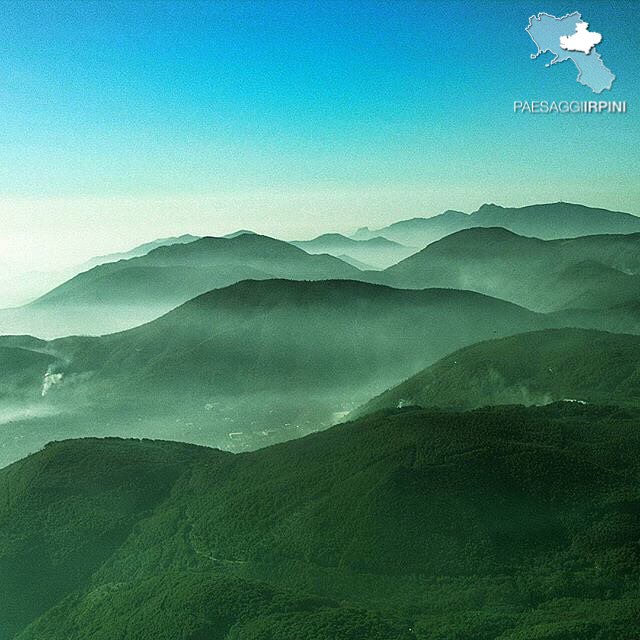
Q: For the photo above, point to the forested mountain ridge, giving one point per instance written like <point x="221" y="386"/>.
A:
<point x="254" y="363"/>
<point x="379" y="252"/>
<point x="529" y="368"/>
<point x="546" y="221"/>
<point x="124" y="294"/>
<point x="587" y="272"/>
<point x="506" y="515"/>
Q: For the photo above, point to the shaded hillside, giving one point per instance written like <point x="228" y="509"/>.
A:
<point x="23" y="341"/>
<point x="99" y="499"/>
<point x="22" y="371"/>
<point x="138" y="251"/>
<point x="622" y="318"/>
<point x="420" y="524"/>
<point x="586" y="272"/>
<point x="357" y="264"/>
<point x="419" y="232"/>
<point x="123" y="294"/>
<point x="556" y="220"/>
<point x="261" y="361"/>
<point x="530" y="368"/>
<point x="546" y="221"/>
<point x="18" y="288"/>
<point x="378" y="252"/>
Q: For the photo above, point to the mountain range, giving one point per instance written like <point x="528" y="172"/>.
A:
<point x="377" y="252"/>
<point x="446" y="448"/>
<point x="546" y="221"/>
<point x="588" y="272"/>
<point x="522" y="521"/>
<point x="249" y="360"/>
<point x="120" y="295"/>
<point x="541" y="367"/>
<point x="19" y="287"/>
<point x="250" y="364"/>
<point x="125" y="290"/>
<point x="138" y="251"/>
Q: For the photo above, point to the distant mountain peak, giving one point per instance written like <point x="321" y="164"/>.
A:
<point x="332" y="236"/>
<point x="496" y="231"/>
<point x="139" y="250"/>
<point x="240" y="232"/>
<point x="490" y="206"/>
<point x="479" y="236"/>
<point x="452" y="213"/>
<point x="383" y="242"/>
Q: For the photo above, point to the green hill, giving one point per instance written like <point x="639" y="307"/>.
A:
<point x="530" y="368"/>
<point x="546" y="221"/>
<point x="498" y="523"/>
<point x="18" y="288"/>
<point x="257" y="362"/>
<point x="123" y="294"/>
<point x="378" y="252"/>
<point x="22" y="372"/>
<point x="138" y="251"/>
<point x="419" y="232"/>
<point x="585" y="272"/>
<point x="621" y="318"/>
<point x="556" y="220"/>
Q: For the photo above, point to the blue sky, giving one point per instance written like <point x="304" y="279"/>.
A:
<point x="129" y="120"/>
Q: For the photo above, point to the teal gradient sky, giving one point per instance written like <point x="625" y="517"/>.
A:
<point x="121" y="122"/>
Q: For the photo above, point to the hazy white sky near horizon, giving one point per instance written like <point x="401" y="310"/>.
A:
<point x="51" y="233"/>
<point x="122" y="122"/>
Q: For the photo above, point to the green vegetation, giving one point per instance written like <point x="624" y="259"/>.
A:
<point x="22" y="372"/>
<point x="377" y="251"/>
<point x="123" y="294"/>
<point x="524" y="522"/>
<point x="461" y="521"/>
<point x="591" y="272"/>
<point x="140" y="250"/>
<point x="546" y="221"/>
<point x="264" y="361"/>
<point x="66" y="510"/>
<point x="530" y="368"/>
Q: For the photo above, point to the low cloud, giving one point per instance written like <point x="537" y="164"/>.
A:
<point x="13" y="414"/>
<point x="50" y="380"/>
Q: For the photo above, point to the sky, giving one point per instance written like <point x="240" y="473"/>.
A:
<point x="121" y="122"/>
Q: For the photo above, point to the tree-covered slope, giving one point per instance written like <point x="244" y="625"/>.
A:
<point x="529" y="368"/>
<point x="258" y="362"/>
<point x="64" y="511"/>
<point x="379" y="252"/>
<point x="588" y="272"/>
<point x="546" y="221"/>
<point x="138" y="251"/>
<point x="621" y="318"/>
<point x="123" y="294"/>
<point x="22" y="371"/>
<point x="556" y="220"/>
<point x="411" y="524"/>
